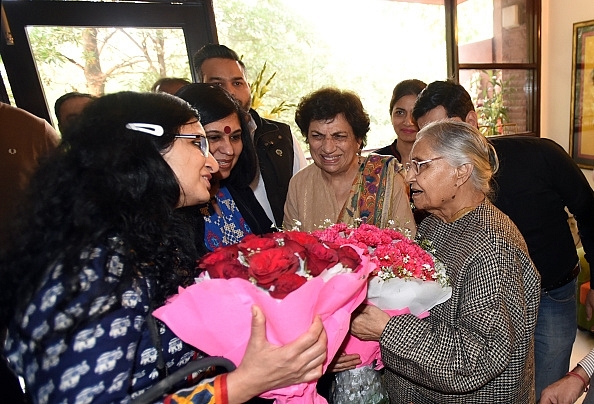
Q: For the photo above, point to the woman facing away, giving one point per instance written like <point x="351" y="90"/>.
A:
<point x="101" y="243"/>
<point x="233" y="211"/>
<point x="401" y="105"/>
<point x="477" y="347"/>
<point x="341" y="185"/>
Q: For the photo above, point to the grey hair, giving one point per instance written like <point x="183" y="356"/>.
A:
<point x="460" y="143"/>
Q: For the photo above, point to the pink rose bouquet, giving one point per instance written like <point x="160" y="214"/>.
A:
<point x="292" y="276"/>
<point x="408" y="278"/>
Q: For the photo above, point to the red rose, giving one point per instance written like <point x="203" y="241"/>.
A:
<point x="301" y="238"/>
<point x="228" y="270"/>
<point x="268" y="265"/>
<point x="285" y="284"/>
<point x="296" y="248"/>
<point x="348" y="257"/>
<point x="228" y="254"/>
<point x="318" y="258"/>
<point x="252" y="243"/>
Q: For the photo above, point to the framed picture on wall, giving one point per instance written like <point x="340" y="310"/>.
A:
<point x="581" y="139"/>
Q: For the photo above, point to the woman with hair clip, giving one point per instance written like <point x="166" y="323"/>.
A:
<point x="101" y="242"/>
<point x="233" y="211"/>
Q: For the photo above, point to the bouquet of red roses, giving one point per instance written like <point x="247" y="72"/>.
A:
<point x="292" y="276"/>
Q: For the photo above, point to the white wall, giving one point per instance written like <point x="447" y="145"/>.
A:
<point x="558" y="17"/>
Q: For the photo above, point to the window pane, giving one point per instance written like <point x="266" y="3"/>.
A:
<point x="500" y="99"/>
<point x="367" y="47"/>
<point x="105" y="60"/>
<point x="489" y="32"/>
<point x="6" y="83"/>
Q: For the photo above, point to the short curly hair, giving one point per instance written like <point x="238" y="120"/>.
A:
<point x="326" y="104"/>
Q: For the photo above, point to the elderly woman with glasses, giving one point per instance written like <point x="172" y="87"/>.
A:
<point x="341" y="185"/>
<point x="477" y="347"/>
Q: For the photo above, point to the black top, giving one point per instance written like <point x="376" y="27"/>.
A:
<point x="251" y="210"/>
<point x="536" y="180"/>
<point x="390" y="150"/>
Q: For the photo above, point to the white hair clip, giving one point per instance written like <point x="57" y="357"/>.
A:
<point x="150" y="128"/>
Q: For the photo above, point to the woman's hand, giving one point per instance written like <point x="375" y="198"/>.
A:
<point x="344" y="362"/>
<point x="368" y="322"/>
<point x="266" y="366"/>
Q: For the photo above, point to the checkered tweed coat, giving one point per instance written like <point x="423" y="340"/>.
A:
<point x="478" y="346"/>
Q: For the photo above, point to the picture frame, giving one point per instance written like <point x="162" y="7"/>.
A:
<point x="581" y="141"/>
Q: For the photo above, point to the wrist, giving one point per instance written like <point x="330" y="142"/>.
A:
<point x="221" y="393"/>
<point x="578" y="374"/>
<point x="240" y="387"/>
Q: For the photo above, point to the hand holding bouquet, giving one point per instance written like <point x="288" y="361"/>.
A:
<point x="408" y="278"/>
<point x="292" y="277"/>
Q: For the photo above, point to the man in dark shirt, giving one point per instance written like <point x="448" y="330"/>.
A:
<point x="24" y="139"/>
<point x="537" y="180"/>
<point x="279" y="154"/>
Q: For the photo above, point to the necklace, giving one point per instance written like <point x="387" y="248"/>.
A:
<point x="461" y="213"/>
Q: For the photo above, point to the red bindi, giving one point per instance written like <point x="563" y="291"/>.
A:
<point x="227" y="129"/>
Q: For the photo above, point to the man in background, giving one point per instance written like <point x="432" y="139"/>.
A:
<point x="24" y="138"/>
<point x="69" y="106"/>
<point x="279" y="153"/>
<point x="537" y="180"/>
<point x="169" y="85"/>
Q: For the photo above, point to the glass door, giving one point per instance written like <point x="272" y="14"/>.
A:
<point x="50" y="48"/>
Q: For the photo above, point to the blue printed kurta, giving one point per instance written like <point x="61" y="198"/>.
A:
<point x="228" y="228"/>
<point x="108" y="360"/>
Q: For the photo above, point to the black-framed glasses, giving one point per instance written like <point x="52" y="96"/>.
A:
<point x="201" y="141"/>
<point x="416" y="165"/>
<point x="157" y="130"/>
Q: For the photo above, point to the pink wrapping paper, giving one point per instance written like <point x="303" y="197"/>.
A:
<point x="215" y="317"/>
<point x="396" y="297"/>
<point x="369" y="351"/>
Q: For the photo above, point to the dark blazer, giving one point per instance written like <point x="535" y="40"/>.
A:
<point x="251" y="210"/>
<point x="274" y="147"/>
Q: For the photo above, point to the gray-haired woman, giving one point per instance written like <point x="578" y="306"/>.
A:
<point x="477" y="347"/>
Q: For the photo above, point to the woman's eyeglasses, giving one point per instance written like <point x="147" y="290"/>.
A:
<point x="157" y="130"/>
<point x="416" y="165"/>
<point x="201" y="142"/>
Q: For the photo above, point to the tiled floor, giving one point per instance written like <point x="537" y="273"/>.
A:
<point x="584" y="342"/>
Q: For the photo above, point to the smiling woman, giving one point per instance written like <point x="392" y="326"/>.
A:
<point x="342" y="186"/>
<point x="233" y="211"/>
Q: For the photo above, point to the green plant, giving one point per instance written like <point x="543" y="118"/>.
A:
<point x="259" y="88"/>
<point x="489" y="100"/>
